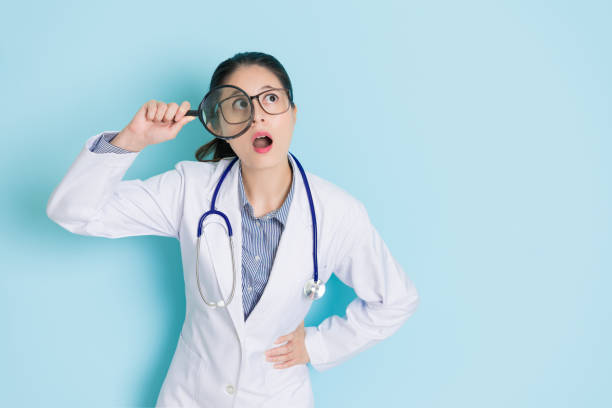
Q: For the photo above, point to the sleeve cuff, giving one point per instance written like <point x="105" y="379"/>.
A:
<point x="315" y="348"/>
<point x="103" y="145"/>
<point x="110" y="159"/>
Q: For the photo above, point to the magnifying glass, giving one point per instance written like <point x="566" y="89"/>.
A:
<point x="226" y="111"/>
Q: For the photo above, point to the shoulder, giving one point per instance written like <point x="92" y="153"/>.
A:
<point x="341" y="217"/>
<point x="201" y="172"/>
<point x="208" y="167"/>
<point x="334" y="198"/>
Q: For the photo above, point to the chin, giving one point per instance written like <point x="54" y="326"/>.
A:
<point x="261" y="161"/>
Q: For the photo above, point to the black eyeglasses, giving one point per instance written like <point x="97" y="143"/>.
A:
<point x="227" y="111"/>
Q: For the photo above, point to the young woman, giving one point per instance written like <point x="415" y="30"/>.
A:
<point x="290" y="231"/>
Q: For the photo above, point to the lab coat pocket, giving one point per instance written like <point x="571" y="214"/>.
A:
<point x="182" y="384"/>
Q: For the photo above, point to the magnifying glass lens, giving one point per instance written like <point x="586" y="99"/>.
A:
<point x="227" y="111"/>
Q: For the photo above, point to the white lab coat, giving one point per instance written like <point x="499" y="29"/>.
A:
<point x="219" y="360"/>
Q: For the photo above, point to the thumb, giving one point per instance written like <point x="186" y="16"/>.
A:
<point x="176" y="126"/>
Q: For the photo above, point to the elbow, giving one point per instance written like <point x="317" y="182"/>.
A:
<point x="57" y="211"/>
<point x="52" y="210"/>
<point x="65" y="216"/>
<point x="411" y="302"/>
<point x="397" y="312"/>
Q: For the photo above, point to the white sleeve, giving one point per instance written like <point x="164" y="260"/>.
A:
<point x="386" y="297"/>
<point x="92" y="199"/>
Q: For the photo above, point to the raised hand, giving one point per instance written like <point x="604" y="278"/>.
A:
<point x="155" y="122"/>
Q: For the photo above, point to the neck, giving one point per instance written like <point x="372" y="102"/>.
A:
<point x="266" y="189"/>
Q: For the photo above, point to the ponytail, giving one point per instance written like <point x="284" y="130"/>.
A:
<point x="219" y="147"/>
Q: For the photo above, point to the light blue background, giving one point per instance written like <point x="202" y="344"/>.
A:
<point x="476" y="133"/>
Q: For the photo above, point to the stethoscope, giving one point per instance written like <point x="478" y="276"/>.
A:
<point x="313" y="289"/>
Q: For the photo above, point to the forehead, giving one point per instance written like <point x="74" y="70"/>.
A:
<point x="252" y="78"/>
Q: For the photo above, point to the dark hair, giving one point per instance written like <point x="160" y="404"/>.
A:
<point x="220" y="147"/>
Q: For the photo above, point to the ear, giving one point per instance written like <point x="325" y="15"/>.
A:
<point x="294" y="113"/>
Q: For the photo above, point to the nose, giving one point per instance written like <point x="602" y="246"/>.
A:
<point x="258" y="113"/>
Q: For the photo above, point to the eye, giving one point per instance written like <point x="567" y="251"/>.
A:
<point x="271" y="97"/>
<point x="240" y="104"/>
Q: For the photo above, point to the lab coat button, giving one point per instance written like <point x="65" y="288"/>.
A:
<point x="257" y="257"/>
<point x="229" y="389"/>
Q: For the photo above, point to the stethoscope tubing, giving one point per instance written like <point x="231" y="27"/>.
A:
<point x="318" y="286"/>
<point x="314" y="219"/>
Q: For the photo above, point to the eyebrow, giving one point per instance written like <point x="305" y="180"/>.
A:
<point x="236" y="92"/>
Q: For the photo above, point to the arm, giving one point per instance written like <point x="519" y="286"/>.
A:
<point x="386" y="297"/>
<point x="92" y="199"/>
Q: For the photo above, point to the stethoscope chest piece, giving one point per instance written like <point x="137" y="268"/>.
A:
<point x="314" y="290"/>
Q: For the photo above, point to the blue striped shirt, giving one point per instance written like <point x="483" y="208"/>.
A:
<point x="260" y="235"/>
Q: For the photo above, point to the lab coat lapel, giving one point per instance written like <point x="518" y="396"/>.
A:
<point x="228" y="201"/>
<point x="292" y="263"/>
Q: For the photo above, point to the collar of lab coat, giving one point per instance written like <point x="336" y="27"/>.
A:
<point x="293" y="257"/>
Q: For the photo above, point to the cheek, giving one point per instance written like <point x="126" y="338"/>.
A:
<point x="240" y="145"/>
<point x="286" y="131"/>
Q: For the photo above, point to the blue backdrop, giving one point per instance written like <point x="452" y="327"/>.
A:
<point x="476" y="133"/>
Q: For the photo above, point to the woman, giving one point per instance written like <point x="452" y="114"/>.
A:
<point x="254" y="350"/>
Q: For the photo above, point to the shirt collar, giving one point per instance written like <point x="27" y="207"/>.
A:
<point x="281" y="213"/>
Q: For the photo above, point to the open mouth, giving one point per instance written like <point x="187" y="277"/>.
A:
<point x="262" y="142"/>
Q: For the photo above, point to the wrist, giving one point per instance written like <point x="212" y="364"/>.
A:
<point x="126" y="140"/>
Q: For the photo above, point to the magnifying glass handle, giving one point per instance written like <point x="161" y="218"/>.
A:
<point x="192" y="113"/>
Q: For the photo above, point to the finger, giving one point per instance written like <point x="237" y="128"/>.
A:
<point x="170" y="112"/>
<point x="286" y="337"/>
<point x="161" y="110"/>
<point x="182" y="110"/>
<point x="143" y="110"/>
<point x="151" y="109"/>
<point x="281" y="358"/>
<point x="176" y="126"/>
<point x="285" y="364"/>
<point x="279" y="350"/>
